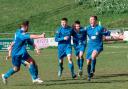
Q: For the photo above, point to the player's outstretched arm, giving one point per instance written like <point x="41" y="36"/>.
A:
<point x="114" y="37"/>
<point x="37" y="36"/>
<point x="117" y="36"/>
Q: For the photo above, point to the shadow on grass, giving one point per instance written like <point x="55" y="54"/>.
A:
<point x="112" y="75"/>
<point x="103" y="79"/>
<point x="62" y="83"/>
<point x="74" y="83"/>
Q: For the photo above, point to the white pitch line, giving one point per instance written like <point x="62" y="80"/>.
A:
<point x="114" y="52"/>
<point x="116" y="46"/>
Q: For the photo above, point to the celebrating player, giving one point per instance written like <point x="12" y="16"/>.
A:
<point x="79" y="43"/>
<point x="95" y="34"/>
<point x="19" y="53"/>
<point x="63" y="37"/>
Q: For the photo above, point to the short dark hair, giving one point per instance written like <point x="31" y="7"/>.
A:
<point x="64" y="19"/>
<point x="77" y="22"/>
<point x="95" y="17"/>
<point x="25" y="23"/>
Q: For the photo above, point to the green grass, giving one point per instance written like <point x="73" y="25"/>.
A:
<point x="15" y="11"/>
<point x="111" y="71"/>
<point x="45" y="15"/>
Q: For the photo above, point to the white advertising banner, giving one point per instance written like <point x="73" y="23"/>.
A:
<point x="45" y="42"/>
<point x="125" y="36"/>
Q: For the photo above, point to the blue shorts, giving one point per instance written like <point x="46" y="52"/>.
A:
<point x="17" y="60"/>
<point x="90" y="50"/>
<point x="63" y="51"/>
<point x="78" y="49"/>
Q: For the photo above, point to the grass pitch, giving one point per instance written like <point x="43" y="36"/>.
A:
<point x="111" y="71"/>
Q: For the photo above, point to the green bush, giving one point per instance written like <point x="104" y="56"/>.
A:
<point x="109" y="6"/>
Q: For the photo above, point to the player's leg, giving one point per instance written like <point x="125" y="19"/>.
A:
<point x="81" y="61"/>
<point x="33" y="69"/>
<point x="70" y="62"/>
<point x="77" y="56"/>
<point x="93" y="64"/>
<point x="31" y="65"/>
<point x="60" y="67"/>
<point x="9" y="73"/>
<point x="88" y="59"/>
<point x="16" y="67"/>
<point x="89" y="69"/>
<point x="95" y="53"/>
<point x="71" y="65"/>
<point x="61" y="55"/>
<point x="78" y="61"/>
<point x="27" y="64"/>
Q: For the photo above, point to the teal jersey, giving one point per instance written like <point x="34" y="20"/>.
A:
<point x="20" y="41"/>
<point x="64" y="46"/>
<point x="95" y="35"/>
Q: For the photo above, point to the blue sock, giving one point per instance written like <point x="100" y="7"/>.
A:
<point x="9" y="73"/>
<point x="60" y="66"/>
<point x="32" y="71"/>
<point x="89" y="70"/>
<point x="71" y="67"/>
<point x="78" y="63"/>
<point x="93" y="64"/>
<point x="36" y="70"/>
<point x="81" y="64"/>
